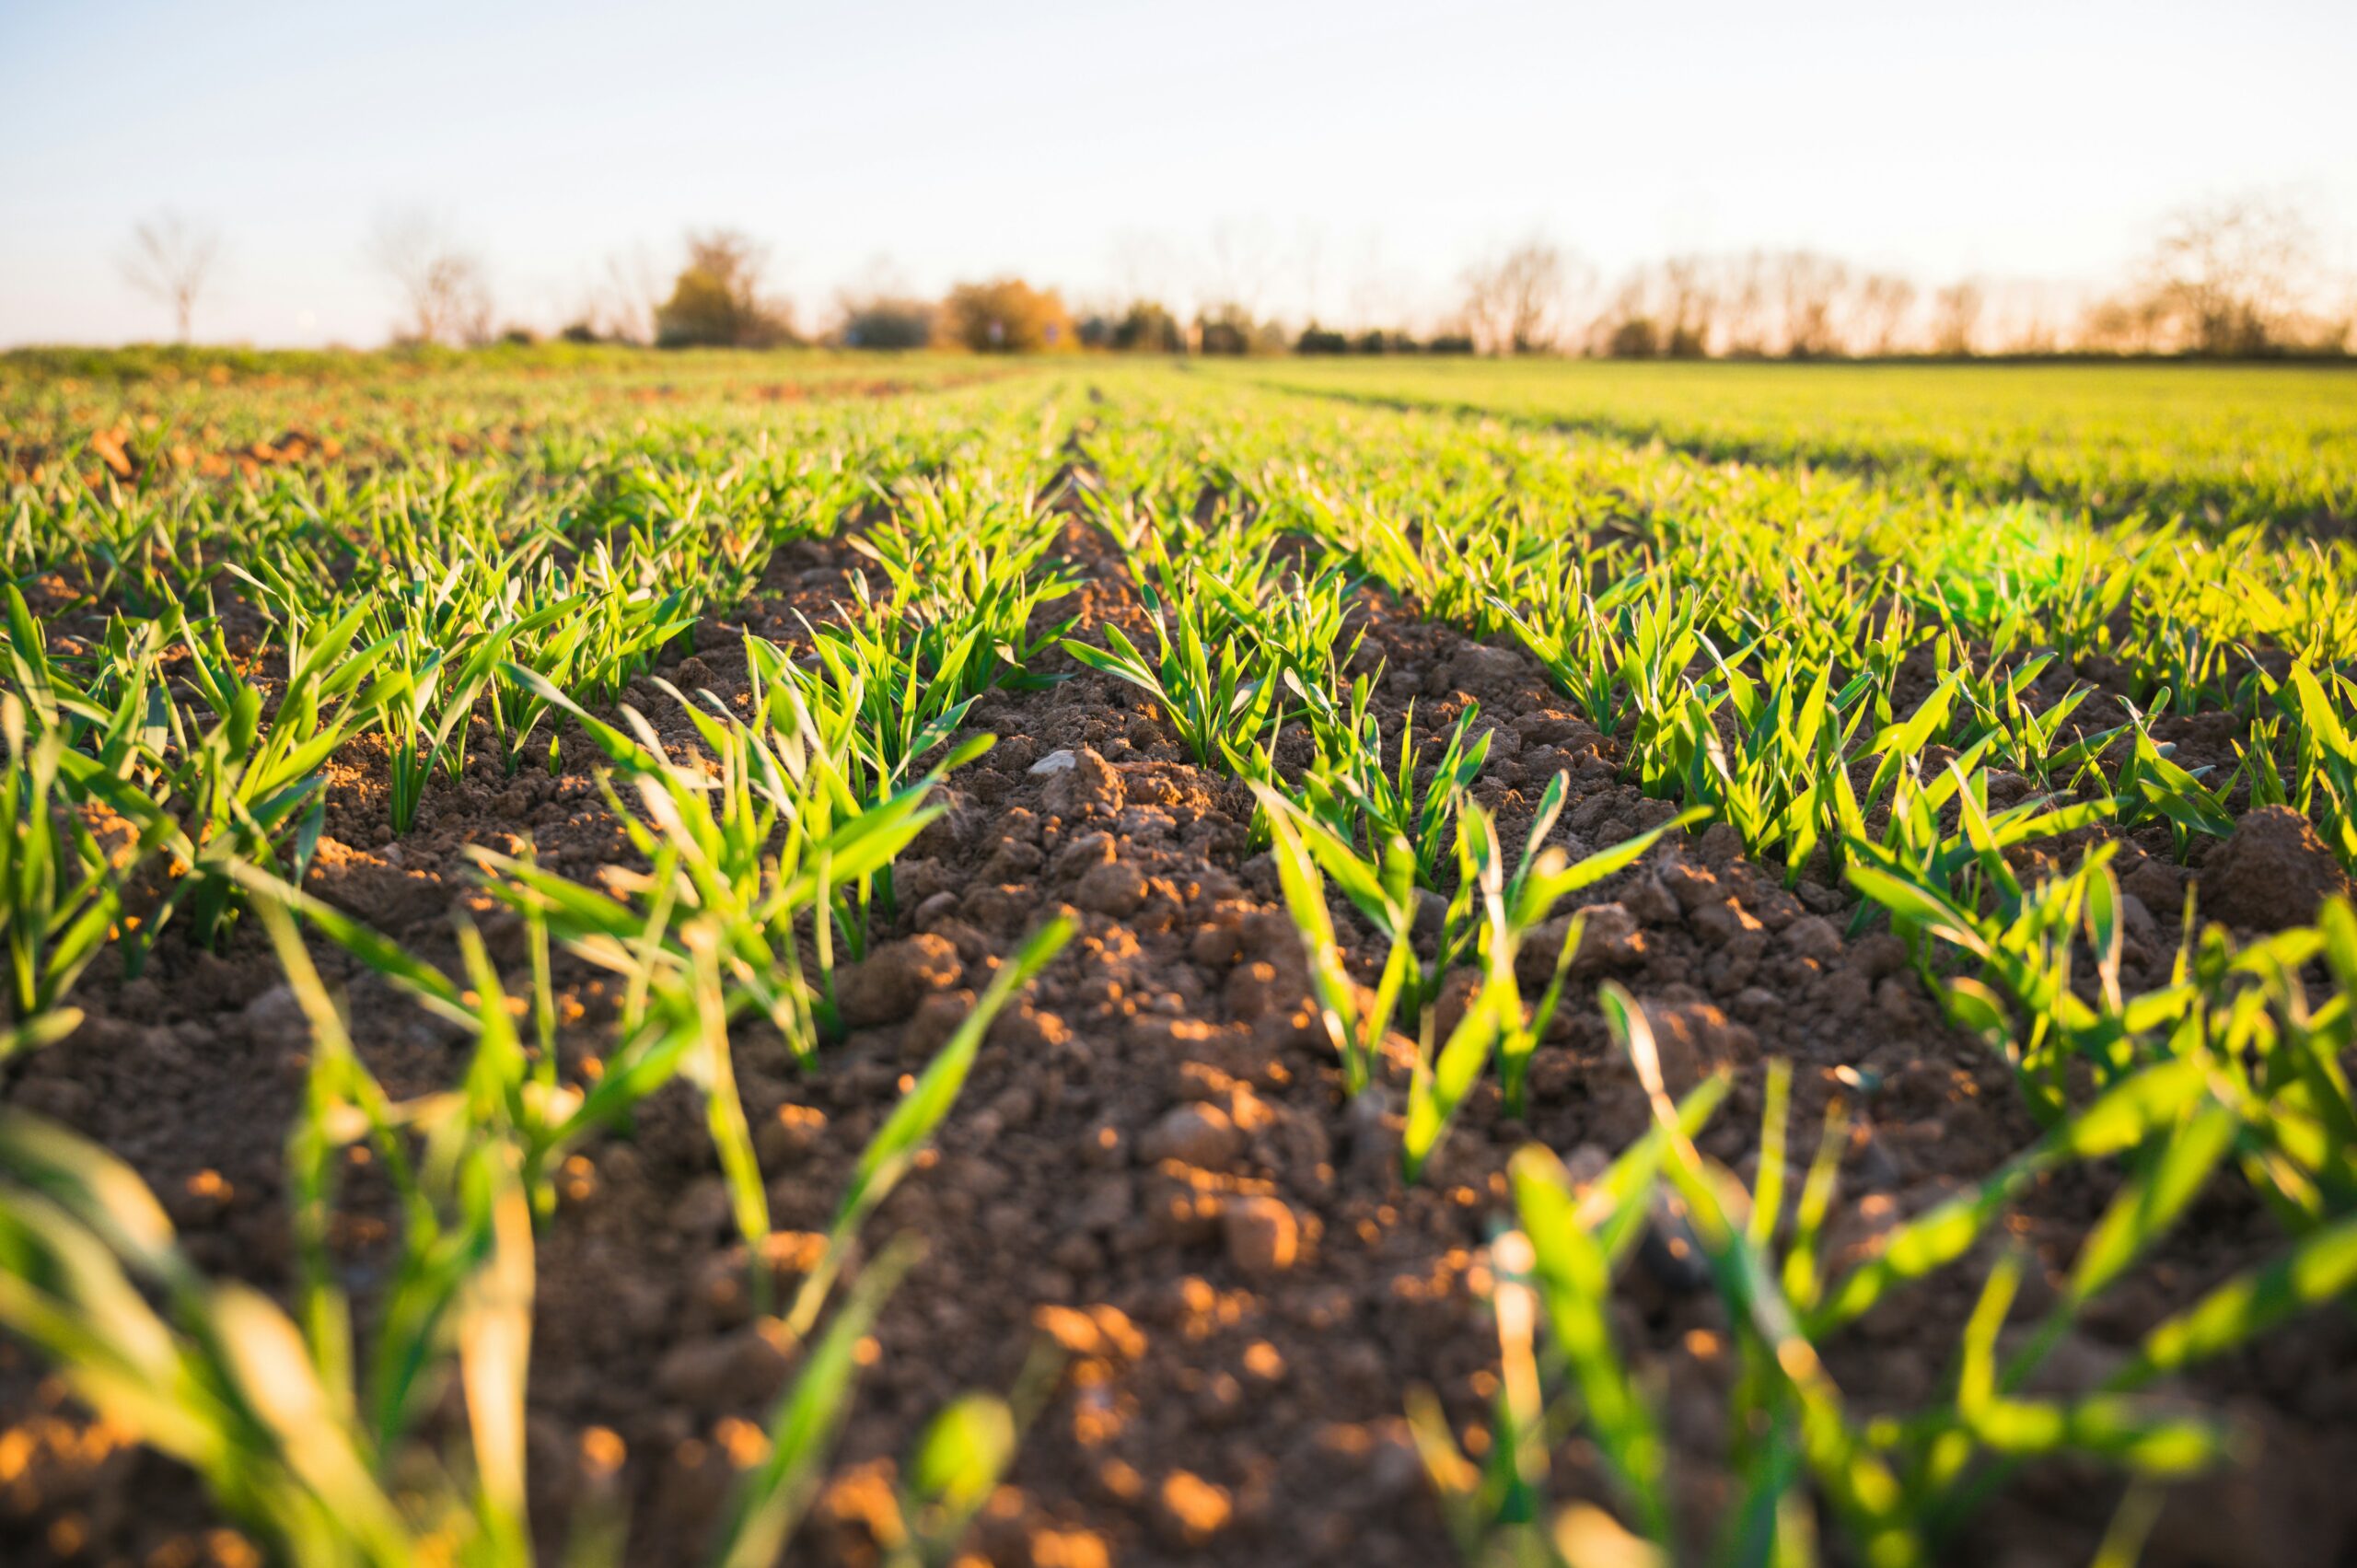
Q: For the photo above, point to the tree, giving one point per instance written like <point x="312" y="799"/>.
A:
<point x="170" y="259"/>
<point x="1511" y="304"/>
<point x="1626" y="328"/>
<point x="1632" y="337"/>
<point x="1006" y="316"/>
<point x="1147" y="327"/>
<point x="1746" y="299"/>
<point x="1689" y="305"/>
<point x="1807" y="287"/>
<point x="1231" y="329"/>
<point x="1884" y="301"/>
<point x="1670" y="308"/>
<point x="627" y="299"/>
<point x="2227" y="273"/>
<point x="443" y="295"/>
<point x="717" y="301"/>
<point x="1956" y="316"/>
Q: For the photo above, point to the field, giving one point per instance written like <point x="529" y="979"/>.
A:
<point x="727" y="958"/>
<point x="2223" y="445"/>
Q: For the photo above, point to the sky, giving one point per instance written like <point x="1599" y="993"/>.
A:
<point x="1341" y="159"/>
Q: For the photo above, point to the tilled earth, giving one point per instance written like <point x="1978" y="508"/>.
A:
<point x="1153" y="1166"/>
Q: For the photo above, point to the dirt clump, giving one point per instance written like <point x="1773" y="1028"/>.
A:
<point x="2273" y="872"/>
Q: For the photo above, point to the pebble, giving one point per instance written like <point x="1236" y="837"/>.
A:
<point x="1189" y="1510"/>
<point x="1262" y="1236"/>
<point x="1198" y="1134"/>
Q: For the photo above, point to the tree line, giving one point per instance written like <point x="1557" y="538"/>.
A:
<point x="2234" y="278"/>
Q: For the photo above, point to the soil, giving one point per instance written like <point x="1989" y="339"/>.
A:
<point x="1153" y="1164"/>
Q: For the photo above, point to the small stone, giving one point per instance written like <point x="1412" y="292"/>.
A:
<point x="1089" y="786"/>
<point x="1189" y="1510"/>
<point x="1199" y="1134"/>
<point x="1262" y="1236"/>
<point x="1060" y="760"/>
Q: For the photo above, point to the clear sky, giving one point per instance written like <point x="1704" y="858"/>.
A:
<point x="1339" y="157"/>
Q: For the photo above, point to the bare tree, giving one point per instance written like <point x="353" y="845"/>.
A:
<point x="632" y="291"/>
<point x="2128" y="324"/>
<point x="1745" y="297"/>
<point x="1956" y="316"/>
<point x="1808" y="288"/>
<point x="1884" y="300"/>
<point x="1627" y="326"/>
<point x="170" y="259"/>
<point x="1690" y="304"/>
<point x="1513" y="304"/>
<point x="2230" y="273"/>
<point x="443" y="295"/>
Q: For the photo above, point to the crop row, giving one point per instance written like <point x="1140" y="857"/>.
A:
<point x="1871" y="683"/>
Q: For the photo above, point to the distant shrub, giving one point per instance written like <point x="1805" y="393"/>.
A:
<point x="1635" y="338"/>
<point x="1230" y="329"/>
<point x="1147" y="328"/>
<point x="1315" y="339"/>
<point x="716" y="300"/>
<point x="1006" y="316"/>
<point x="1450" y="342"/>
<point x="888" y="323"/>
